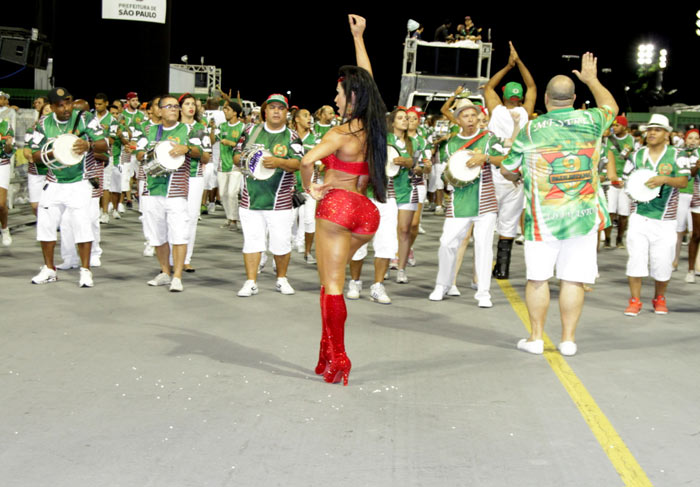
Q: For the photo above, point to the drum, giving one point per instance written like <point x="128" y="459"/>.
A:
<point x="392" y="169"/>
<point x="252" y="162"/>
<point x="159" y="162"/>
<point x="58" y="153"/>
<point x="636" y="186"/>
<point x="457" y="173"/>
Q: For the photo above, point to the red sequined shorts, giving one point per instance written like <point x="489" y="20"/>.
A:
<point x="351" y="210"/>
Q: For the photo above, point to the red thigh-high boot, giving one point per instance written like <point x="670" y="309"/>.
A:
<point x="336" y="313"/>
<point x="324" y="349"/>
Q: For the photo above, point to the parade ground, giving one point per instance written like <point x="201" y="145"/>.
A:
<point x="129" y="385"/>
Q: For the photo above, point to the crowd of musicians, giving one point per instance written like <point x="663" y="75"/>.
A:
<point x="173" y="158"/>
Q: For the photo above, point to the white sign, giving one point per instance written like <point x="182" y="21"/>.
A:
<point x="139" y="10"/>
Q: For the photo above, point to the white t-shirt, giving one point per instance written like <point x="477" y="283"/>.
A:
<point x="501" y="124"/>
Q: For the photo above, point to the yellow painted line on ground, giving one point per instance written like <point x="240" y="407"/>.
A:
<point x="622" y="459"/>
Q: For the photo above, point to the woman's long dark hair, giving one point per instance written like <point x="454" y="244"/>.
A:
<point x="197" y="117"/>
<point x="369" y="109"/>
<point x="390" y="127"/>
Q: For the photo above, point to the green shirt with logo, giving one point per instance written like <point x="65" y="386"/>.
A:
<point x="558" y="155"/>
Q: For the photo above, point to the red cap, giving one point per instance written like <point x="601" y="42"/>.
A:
<point x="622" y="120"/>
<point x="131" y="94"/>
<point x="690" y="132"/>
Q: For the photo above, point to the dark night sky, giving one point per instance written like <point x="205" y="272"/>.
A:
<point x="301" y="48"/>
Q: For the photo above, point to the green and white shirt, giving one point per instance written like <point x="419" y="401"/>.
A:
<point x="199" y="136"/>
<point x="226" y="131"/>
<point x="309" y="142"/>
<point x="670" y="163"/>
<point x="320" y="129"/>
<point x="171" y="185"/>
<point x="558" y="154"/>
<point x="276" y="192"/>
<point x="400" y="185"/>
<point x="50" y="127"/>
<point x="479" y="197"/>
<point x="7" y="135"/>
<point x="621" y="147"/>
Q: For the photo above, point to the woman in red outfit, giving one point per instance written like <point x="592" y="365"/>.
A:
<point x="354" y="154"/>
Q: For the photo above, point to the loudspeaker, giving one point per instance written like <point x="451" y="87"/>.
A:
<point x="33" y="54"/>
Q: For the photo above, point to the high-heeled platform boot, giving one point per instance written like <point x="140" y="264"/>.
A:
<point x="336" y="313"/>
<point x="324" y="349"/>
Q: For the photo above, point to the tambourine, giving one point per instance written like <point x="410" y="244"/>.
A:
<point x="160" y="162"/>
<point x="58" y="153"/>
<point x="252" y="162"/>
<point x="392" y="169"/>
<point x="457" y="173"/>
<point x="636" y="186"/>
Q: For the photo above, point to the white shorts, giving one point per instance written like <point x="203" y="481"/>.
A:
<point x="575" y="259"/>
<point x="385" y="241"/>
<point x="435" y="180"/>
<point x="115" y="179"/>
<point x="618" y="201"/>
<point x="107" y="178"/>
<point x="651" y="245"/>
<point x="408" y="206"/>
<point x="35" y="186"/>
<point x="422" y="192"/>
<point x="683" y="218"/>
<point x="210" y="176"/>
<point x="309" y="214"/>
<point x="68" y="203"/>
<point x="257" y="223"/>
<point x="511" y="201"/>
<point x="128" y="169"/>
<point x="5" y="176"/>
<point x="165" y="220"/>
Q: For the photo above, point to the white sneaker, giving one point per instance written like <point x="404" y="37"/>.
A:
<point x="116" y="215"/>
<point x="401" y="276"/>
<point x="85" y="278"/>
<point x="6" y="237"/>
<point x="309" y="259"/>
<point x="421" y="231"/>
<point x="378" y="294"/>
<point x="66" y="265"/>
<point x="176" y="285"/>
<point x="454" y="291"/>
<point x="520" y="240"/>
<point x="438" y="293"/>
<point x="283" y="286"/>
<point x="567" y="348"/>
<point x="439" y="210"/>
<point x="485" y="303"/>
<point x="211" y="208"/>
<point x="148" y="250"/>
<point x="45" y="275"/>
<point x="249" y="288"/>
<point x="411" y="261"/>
<point x="104" y="218"/>
<point x="394" y="264"/>
<point x="475" y="286"/>
<point x="690" y="277"/>
<point x="535" y="346"/>
<point x="161" y="279"/>
<point x="121" y="208"/>
<point x="354" y="288"/>
<point x="95" y="261"/>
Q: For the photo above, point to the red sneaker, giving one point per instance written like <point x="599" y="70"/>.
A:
<point x="634" y="307"/>
<point x="660" y="307"/>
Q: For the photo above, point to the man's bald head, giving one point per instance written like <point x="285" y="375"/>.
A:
<point x="560" y="92"/>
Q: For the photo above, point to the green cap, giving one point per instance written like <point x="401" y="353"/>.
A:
<point x="513" y="90"/>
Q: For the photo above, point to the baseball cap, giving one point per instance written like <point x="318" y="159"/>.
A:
<point x="513" y="90"/>
<point x="279" y="98"/>
<point x="58" y="94"/>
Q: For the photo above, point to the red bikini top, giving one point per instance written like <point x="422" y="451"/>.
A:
<point x="356" y="168"/>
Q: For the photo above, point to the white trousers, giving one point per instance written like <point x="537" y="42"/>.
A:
<point x="229" y="187"/>
<point x="453" y="232"/>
